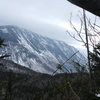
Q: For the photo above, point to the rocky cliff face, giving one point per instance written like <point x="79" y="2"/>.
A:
<point x="39" y="53"/>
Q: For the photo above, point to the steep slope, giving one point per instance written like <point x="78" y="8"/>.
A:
<point x="8" y="65"/>
<point x="35" y="51"/>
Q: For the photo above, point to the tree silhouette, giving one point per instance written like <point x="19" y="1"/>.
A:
<point x="95" y="64"/>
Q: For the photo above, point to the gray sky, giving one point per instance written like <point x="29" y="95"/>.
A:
<point x="45" y="17"/>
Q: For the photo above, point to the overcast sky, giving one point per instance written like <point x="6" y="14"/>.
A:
<point x="45" y="17"/>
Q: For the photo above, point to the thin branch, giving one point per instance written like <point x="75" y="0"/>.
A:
<point x="60" y="66"/>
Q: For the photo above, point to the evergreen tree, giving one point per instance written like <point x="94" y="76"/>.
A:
<point x="1" y="45"/>
<point x="2" y="56"/>
<point x="95" y="64"/>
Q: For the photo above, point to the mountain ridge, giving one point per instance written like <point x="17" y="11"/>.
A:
<point x="35" y="51"/>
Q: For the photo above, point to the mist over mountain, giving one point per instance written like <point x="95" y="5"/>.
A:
<point x="36" y="52"/>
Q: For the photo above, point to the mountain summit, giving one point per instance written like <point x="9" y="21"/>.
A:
<point x="35" y="51"/>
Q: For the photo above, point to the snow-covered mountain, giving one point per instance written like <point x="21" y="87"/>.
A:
<point x="35" y="51"/>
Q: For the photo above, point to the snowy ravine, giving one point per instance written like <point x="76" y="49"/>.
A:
<point x="35" y="51"/>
